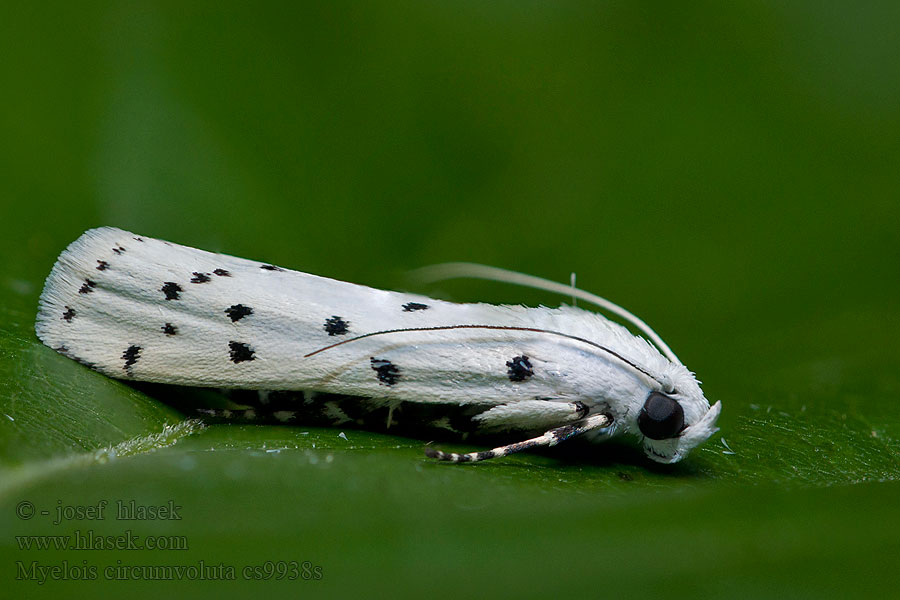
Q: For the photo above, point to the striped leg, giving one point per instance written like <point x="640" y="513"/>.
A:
<point x="549" y="438"/>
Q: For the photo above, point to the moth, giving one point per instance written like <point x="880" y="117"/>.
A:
<point x="143" y="309"/>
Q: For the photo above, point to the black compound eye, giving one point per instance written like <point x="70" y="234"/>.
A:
<point x="661" y="417"/>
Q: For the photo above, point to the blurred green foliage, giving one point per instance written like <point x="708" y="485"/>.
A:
<point x="727" y="172"/>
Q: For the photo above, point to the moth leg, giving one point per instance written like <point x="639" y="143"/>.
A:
<point x="549" y="438"/>
<point x="392" y="404"/>
<point x="529" y="415"/>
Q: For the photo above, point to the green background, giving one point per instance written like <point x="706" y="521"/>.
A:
<point x="727" y="172"/>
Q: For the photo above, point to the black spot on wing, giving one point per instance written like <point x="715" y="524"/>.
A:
<point x="221" y="273"/>
<point x="87" y="287"/>
<point x="270" y="268"/>
<point x="519" y="368"/>
<point x="387" y="371"/>
<point x="171" y="290"/>
<point x="336" y="326"/>
<point x="238" y="312"/>
<point x="240" y="352"/>
<point x="199" y="277"/>
<point x="102" y="265"/>
<point x="118" y="249"/>
<point x="131" y="355"/>
<point x="412" y="306"/>
<point x="69" y="314"/>
<point x="138" y="239"/>
<point x="169" y="329"/>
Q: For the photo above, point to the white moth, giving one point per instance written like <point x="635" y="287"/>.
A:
<point x="143" y="309"/>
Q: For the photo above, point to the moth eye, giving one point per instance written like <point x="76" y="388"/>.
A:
<point x="661" y="417"/>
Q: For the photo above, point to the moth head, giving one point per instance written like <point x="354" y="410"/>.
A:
<point x="673" y="423"/>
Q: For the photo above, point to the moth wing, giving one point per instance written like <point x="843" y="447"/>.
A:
<point x="139" y="308"/>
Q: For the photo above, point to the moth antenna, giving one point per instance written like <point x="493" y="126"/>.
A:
<point x="549" y="438"/>
<point x="457" y="270"/>
<point x="666" y="385"/>
<point x="572" y="281"/>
